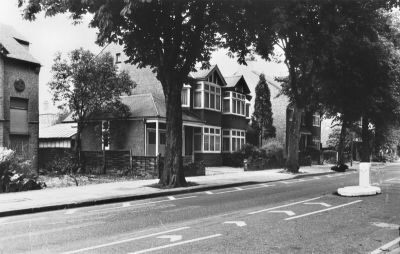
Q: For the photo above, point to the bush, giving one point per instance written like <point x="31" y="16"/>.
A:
<point x="16" y="174"/>
<point x="234" y="159"/>
<point x="65" y="163"/>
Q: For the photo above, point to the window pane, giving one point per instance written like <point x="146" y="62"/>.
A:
<point x="233" y="133"/>
<point x="207" y="87"/>
<point x="217" y="131"/>
<point x="225" y="133"/>
<point x="218" y="102"/>
<point x="247" y="110"/>
<point x="233" y="144"/>
<point x="205" y="130"/>
<point x="206" y="100"/>
<point x="238" y="144"/>
<point x="211" y="143"/>
<point x="212" y="89"/>
<point x="225" y="144"/>
<point x="218" y="90"/>
<point x="197" y="99"/>
<point x="217" y="143"/>
<point x="234" y="106"/>
<point x="152" y="138"/>
<point x="197" y="130"/>
<point x="18" y="103"/>
<point x="227" y="107"/>
<point x="212" y="101"/>
<point x="206" y="143"/>
<point x="18" y="120"/>
<point x="211" y="130"/>
<point x="184" y="96"/>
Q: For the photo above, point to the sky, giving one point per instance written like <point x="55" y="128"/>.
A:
<point x="49" y="35"/>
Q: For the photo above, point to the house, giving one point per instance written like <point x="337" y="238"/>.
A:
<point x="19" y="85"/>
<point x="214" y="118"/>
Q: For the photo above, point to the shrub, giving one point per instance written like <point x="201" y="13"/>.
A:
<point x="234" y="159"/>
<point x="273" y="150"/>
<point x="16" y="174"/>
<point x="62" y="164"/>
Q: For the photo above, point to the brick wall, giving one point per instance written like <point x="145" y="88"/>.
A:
<point x="29" y="73"/>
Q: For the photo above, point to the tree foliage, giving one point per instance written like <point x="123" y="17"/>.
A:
<point x="85" y="84"/>
<point x="262" y="119"/>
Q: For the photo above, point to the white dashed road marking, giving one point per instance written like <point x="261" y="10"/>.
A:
<point x="71" y="211"/>
<point x="323" y="210"/>
<point x="290" y="204"/>
<point x="172" y="238"/>
<point x="175" y="244"/>
<point x="289" y="213"/>
<point x="238" y="223"/>
<point x="209" y="192"/>
<point x="124" y="241"/>
<point x="238" y="188"/>
<point x="171" y="198"/>
<point x="316" y="203"/>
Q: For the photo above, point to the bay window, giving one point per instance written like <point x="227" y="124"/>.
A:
<point x="207" y="96"/>
<point x="234" y="103"/>
<point x="233" y="140"/>
<point x="207" y="139"/>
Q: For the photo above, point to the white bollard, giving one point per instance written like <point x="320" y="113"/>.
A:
<point x="364" y="174"/>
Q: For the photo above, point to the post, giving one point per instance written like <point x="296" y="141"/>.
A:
<point x="157" y="136"/>
<point x="130" y="160"/>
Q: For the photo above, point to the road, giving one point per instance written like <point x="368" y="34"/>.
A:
<point x="292" y="216"/>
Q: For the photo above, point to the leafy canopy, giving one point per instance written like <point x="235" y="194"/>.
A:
<point x="86" y="84"/>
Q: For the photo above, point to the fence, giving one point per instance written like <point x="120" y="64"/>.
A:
<point x="113" y="161"/>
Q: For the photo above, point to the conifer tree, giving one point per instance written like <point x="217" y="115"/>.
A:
<point x="261" y="119"/>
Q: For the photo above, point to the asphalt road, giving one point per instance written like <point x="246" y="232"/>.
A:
<point x="292" y="216"/>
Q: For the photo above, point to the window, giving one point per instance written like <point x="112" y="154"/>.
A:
<point x="237" y="101"/>
<point x="18" y="116"/>
<point x="163" y="138"/>
<point x="185" y="97"/>
<point x="316" y="120"/>
<point x="212" y="139"/>
<point x="233" y="140"/>
<point x="211" y="96"/>
<point x="117" y="58"/>
<point x="247" y="110"/>
<point x="152" y="137"/>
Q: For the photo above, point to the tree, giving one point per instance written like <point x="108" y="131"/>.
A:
<point x="358" y="75"/>
<point x="168" y="36"/>
<point x="85" y="85"/>
<point x="261" y="119"/>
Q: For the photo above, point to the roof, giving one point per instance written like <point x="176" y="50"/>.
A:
<point x="203" y="74"/>
<point x="8" y="39"/>
<point x="58" y="131"/>
<point x="237" y="81"/>
<point x="144" y="106"/>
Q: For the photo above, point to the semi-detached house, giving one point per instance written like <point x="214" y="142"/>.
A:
<point x="215" y="117"/>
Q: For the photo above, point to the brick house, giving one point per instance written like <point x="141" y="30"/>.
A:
<point x="19" y="85"/>
<point x="215" y="117"/>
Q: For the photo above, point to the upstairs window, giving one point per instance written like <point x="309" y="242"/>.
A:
<point x="207" y="96"/>
<point x="234" y="103"/>
<point x="247" y="110"/>
<point x="316" y="120"/>
<point x="185" y="96"/>
<point x="19" y="116"/>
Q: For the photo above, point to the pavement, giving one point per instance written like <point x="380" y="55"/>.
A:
<point x="79" y="196"/>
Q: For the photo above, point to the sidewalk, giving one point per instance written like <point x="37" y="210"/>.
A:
<point x="62" y="198"/>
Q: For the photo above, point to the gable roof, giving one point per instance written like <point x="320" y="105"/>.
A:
<point x="58" y="131"/>
<point x="237" y="80"/>
<point x="203" y="74"/>
<point x="9" y="40"/>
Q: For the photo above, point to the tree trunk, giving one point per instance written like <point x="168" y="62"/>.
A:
<point x="173" y="175"/>
<point x="292" y="162"/>
<point x="342" y="139"/>
<point x="78" y="148"/>
<point x="365" y="151"/>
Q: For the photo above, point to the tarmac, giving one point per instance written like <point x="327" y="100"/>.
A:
<point x="77" y="196"/>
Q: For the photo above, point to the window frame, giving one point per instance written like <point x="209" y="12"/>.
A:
<point x="186" y="88"/>
<point x="316" y="116"/>
<point x="207" y="134"/>
<point x="204" y="88"/>
<point x="237" y="101"/>
<point x="234" y="134"/>
<point x="25" y="109"/>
